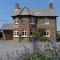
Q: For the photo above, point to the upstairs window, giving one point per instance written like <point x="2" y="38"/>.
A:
<point x="16" y="20"/>
<point x="24" y="33"/>
<point x="32" y="21"/>
<point x="16" y="32"/>
<point x="46" y="21"/>
<point x="24" y="19"/>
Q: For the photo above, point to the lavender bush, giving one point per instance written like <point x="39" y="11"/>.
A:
<point x="34" y="54"/>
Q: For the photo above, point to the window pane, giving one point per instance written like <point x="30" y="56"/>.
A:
<point x="24" y="32"/>
<point x="44" y="33"/>
<point x="16" y="20"/>
<point x="32" y="20"/>
<point x="47" y="33"/>
<point x="46" y="21"/>
<point x="16" y="32"/>
<point x="32" y="31"/>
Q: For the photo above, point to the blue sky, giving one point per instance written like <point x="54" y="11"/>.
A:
<point x="7" y="6"/>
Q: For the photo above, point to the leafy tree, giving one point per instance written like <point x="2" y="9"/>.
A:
<point x="39" y="33"/>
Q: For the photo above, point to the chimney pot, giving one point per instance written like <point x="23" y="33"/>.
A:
<point x="51" y="6"/>
<point x="17" y="6"/>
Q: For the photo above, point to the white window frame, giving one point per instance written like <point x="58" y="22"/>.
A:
<point x="47" y="31"/>
<point x="24" y="33"/>
<point x="16" y="21"/>
<point x="32" y="31"/>
<point x="24" y="19"/>
<point x="46" y="21"/>
<point x="32" y="20"/>
<point x="16" y="32"/>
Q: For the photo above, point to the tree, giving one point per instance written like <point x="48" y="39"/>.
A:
<point x="39" y="34"/>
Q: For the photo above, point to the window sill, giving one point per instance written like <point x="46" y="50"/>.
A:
<point x="16" y="23"/>
<point x="24" y="36"/>
<point x="46" y="35"/>
<point x="32" y="23"/>
<point x="15" y="36"/>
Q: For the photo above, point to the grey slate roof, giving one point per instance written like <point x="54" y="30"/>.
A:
<point x="35" y="12"/>
<point x="16" y="12"/>
<point x="7" y="27"/>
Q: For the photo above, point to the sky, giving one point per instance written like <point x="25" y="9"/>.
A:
<point x="7" y="7"/>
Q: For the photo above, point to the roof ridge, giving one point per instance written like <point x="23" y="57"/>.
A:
<point x="30" y="10"/>
<point x="27" y="9"/>
<point x="22" y="10"/>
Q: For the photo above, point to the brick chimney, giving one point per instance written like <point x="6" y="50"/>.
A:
<point x="17" y="6"/>
<point x="50" y="6"/>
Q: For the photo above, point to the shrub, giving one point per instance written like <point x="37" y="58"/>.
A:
<point x="37" y="54"/>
